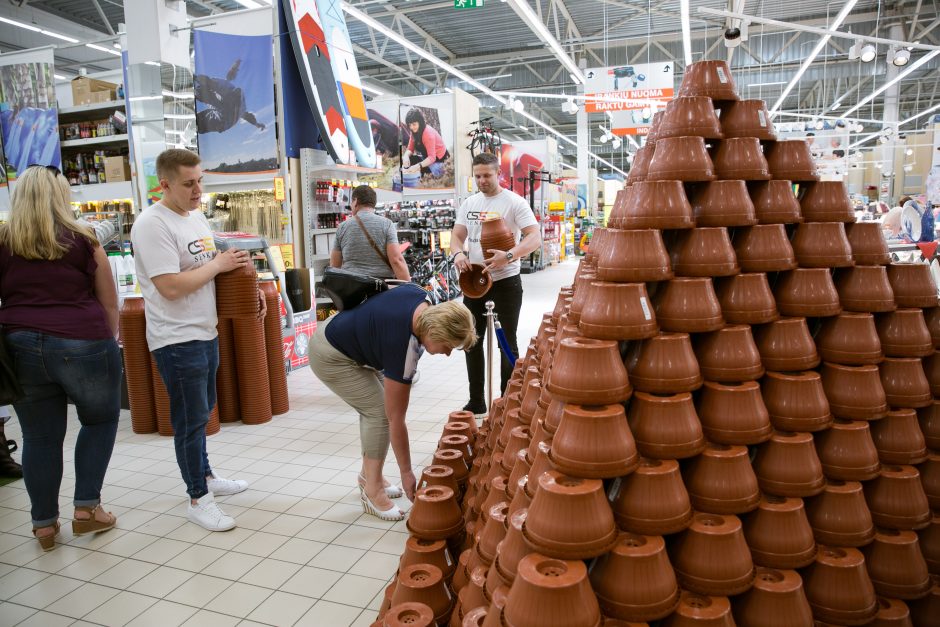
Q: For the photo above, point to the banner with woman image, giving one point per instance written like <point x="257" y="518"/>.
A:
<point x="427" y="162"/>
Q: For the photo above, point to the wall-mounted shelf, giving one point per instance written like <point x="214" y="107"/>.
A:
<point x="323" y="231"/>
<point x="102" y="191"/>
<point x="334" y="170"/>
<point x="88" y="108"/>
<point x="93" y="141"/>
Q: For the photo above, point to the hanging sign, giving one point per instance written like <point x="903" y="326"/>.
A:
<point x="629" y="94"/>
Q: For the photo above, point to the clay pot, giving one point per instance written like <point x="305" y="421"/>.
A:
<point x="513" y="547"/>
<point x="455" y="461"/>
<point x="458" y="443"/>
<point x="796" y="401"/>
<point x="594" y="442"/>
<point x="822" y="245"/>
<point x="764" y="248"/>
<point x="708" y="78"/>
<point x="899" y="439"/>
<point x="475" y="282"/>
<point x="792" y="160"/>
<point x="655" y="123"/>
<point x="787" y="465"/>
<point x="913" y="284"/>
<point x="747" y="299"/>
<point x="733" y="413"/>
<point x="495" y="234"/>
<point x="688" y="116"/>
<point x="929" y="419"/>
<point x="666" y="427"/>
<point x="689" y="305"/>
<point x="827" y="201"/>
<point x="931" y="366"/>
<point x="865" y="289"/>
<point x="778" y="533"/>
<point x="553" y="417"/>
<point x="929" y="538"/>
<point x="723" y="203"/>
<point x="721" y="480"/>
<point x="847" y="451"/>
<point x="409" y="615"/>
<point x="551" y="592"/>
<point x="633" y="256"/>
<point x="621" y="201"/>
<point x="711" y="556"/>
<point x="697" y="610"/>
<point x="896" y="566"/>
<point x="777" y="599"/>
<point x="838" y="588"/>
<point x="641" y="560"/>
<point x="868" y="243"/>
<point x="839" y="516"/>
<point x="897" y="500"/>
<point x="639" y="169"/>
<point x="618" y="311"/>
<point x="849" y="339"/>
<point x="747" y="118"/>
<point x="854" y="392"/>
<point x="569" y="518"/>
<point x="807" y="292"/>
<point x="435" y="515"/>
<point x="657" y="205"/>
<point x="927" y="609"/>
<point x="741" y="158"/>
<point x="786" y="345"/>
<point x="424" y="583"/>
<point x="530" y="400"/>
<point x="418" y="551"/>
<point x="729" y="355"/>
<point x="461" y="577"/>
<point x="704" y="252"/>
<point x="664" y="364"/>
<point x="493" y="532"/>
<point x="932" y="318"/>
<point x="680" y="159"/>
<point x="588" y="371"/>
<point x="653" y="500"/>
<point x="930" y="479"/>
<point x="518" y="441"/>
<point x="775" y="202"/>
<point x="892" y="613"/>
<point x="904" y="382"/>
<point x="519" y="469"/>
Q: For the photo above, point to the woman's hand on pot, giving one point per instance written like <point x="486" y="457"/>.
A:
<point x="409" y="484"/>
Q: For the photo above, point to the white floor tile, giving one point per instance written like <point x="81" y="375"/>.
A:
<point x="239" y="599"/>
<point x="46" y="592"/>
<point x="125" y="574"/>
<point x="205" y="618"/>
<point x="13" y="614"/>
<point x="270" y="573"/>
<point x="282" y="608"/>
<point x="47" y="619"/>
<point x="232" y="566"/>
<point x="198" y="590"/>
<point x="354" y="590"/>
<point x="328" y="613"/>
<point x="195" y="558"/>
<point x="163" y="614"/>
<point x="160" y="582"/>
<point x="82" y="600"/>
<point x="121" y="609"/>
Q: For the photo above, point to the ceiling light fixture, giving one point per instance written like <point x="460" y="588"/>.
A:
<point x="372" y="90"/>
<point x="103" y="49"/>
<point x="522" y="8"/>
<point x="898" y="56"/>
<point x="909" y="152"/>
<point x="911" y="68"/>
<point x="868" y="53"/>
<point x="249" y="4"/>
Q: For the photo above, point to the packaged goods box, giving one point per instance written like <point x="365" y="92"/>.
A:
<point x="91" y="90"/>
<point x="116" y="169"/>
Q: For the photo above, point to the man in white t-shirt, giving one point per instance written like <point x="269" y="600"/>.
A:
<point x="176" y="260"/>
<point x="492" y="201"/>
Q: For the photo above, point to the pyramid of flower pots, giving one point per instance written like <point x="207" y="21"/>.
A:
<point x="729" y="417"/>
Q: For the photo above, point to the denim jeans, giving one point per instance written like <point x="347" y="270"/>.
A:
<point x="506" y="295"/>
<point x="53" y="370"/>
<point x="188" y="372"/>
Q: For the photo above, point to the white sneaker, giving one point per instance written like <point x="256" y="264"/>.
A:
<point x="225" y="487"/>
<point x="207" y="514"/>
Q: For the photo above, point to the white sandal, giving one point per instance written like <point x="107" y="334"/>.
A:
<point x="393" y="491"/>
<point x="392" y="514"/>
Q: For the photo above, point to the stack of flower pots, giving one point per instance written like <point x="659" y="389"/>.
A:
<point x="730" y="416"/>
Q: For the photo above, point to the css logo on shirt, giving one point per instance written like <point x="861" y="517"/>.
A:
<point x="201" y="246"/>
<point x="483" y="215"/>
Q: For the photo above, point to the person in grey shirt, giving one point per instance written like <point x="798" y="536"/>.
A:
<point x="352" y="249"/>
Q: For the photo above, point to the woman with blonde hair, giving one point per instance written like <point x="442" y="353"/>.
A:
<point x="368" y="356"/>
<point x="59" y="316"/>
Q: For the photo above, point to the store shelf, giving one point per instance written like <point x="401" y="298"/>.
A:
<point x="322" y="231"/>
<point x="102" y="191"/>
<point x="87" y="108"/>
<point x="93" y="141"/>
<point x="342" y="171"/>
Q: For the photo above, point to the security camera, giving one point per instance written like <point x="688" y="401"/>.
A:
<point x="734" y="36"/>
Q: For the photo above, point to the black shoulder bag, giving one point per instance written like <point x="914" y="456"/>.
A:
<point x="10" y="390"/>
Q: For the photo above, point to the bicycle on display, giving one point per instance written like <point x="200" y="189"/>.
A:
<point x="484" y="138"/>
<point x="438" y="277"/>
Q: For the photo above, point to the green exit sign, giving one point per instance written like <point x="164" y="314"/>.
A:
<point x="468" y="4"/>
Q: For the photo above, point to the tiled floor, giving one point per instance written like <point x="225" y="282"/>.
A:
<point x="303" y="552"/>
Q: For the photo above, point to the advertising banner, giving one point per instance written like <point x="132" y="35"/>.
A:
<point x="520" y="158"/>
<point x="428" y="144"/>
<point x="388" y="134"/>
<point x="629" y="94"/>
<point x="28" y="111"/>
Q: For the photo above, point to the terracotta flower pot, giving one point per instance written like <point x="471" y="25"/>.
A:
<point x="929" y="419"/>
<point x="697" y="610"/>
<point x="513" y="546"/>
<point x="721" y="480"/>
<point x="540" y="465"/>
<point x="892" y="613"/>
<point x="897" y="500"/>
<point x="704" y="252"/>
<point x="896" y="566"/>
<point x="418" y="551"/>
<point x="711" y="556"/>
<point x="931" y="365"/>
<point x="775" y="202"/>
<point x="723" y="203"/>
<point x="787" y="465"/>
<point x="796" y="401"/>
<point x="930" y="544"/>
<point x="496" y="235"/>
<point x="778" y="533"/>
<point x="807" y="292"/>
<point x="786" y="345"/>
<point x="913" y="284"/>
<point x="639" y="169"/>
<point x="741" y="158"/>
<point x="654" y="126"/>
<point x="847" y="451"/>
<point x="618" y="311"/>
<point x="409" y="615"/>
<point x="827" y="201"/>
<point x="455" y="461"/>
<point x="570" y="518"/>
<point x="680" y="159"/>
<point x="729" y="355"/>
<point x="925" y="610"/>
<point x="553" y="416"/>
<point x="664" y="364"/>
<point x="747" y="299"/>
<point x="747" y="118"/>
<point x="708" y="78"/>
<point x="493" y="532"/>
<point x="839" y="516"/>
<point x="930" y="478"/>
<point x="838" y="588"/>
<point x="904" y="382"/>
<point x="777" y="598"/>
<point x="689" y="305"/>
<point x="764" y="248"/>
<point x="868" y="244"/>
<point x="589" y="371"/>
<point x="551" y="593"/>
<point x="733" y="413"/>
<point x="458" y="443"/>
<point x="666" y="427"/>
<point x="424" y="583"/>
<point x="653" y="500"/>
<point x="518" y="441"/>
<point x="865" y="289"/>
<point x="854" y="392"/>
<point x="792" y="160"/>
<point x="688" y="116"/>
<point x="435" y="515"/>
<point x="850" y="339"/>
<point x="522" y="499"/>
<point x="657" y="205"/>
<point x="641" y="560"/>
<point x="519" y="469"/>
<point x="633" y="256"/>
<point x="530" y="400"/>
<point x="461" y="576"/>
<point x="594" y="442"/>
<point x="475" y="282"/>
<point x="472" y="596"/>
<point x="617" y="212"/>
<point x="899" y="439"/>
<point x="822" y="245"/>
<point x="932" y="317"/>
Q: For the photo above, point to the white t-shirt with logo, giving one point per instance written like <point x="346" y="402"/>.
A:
<point x="168" y="243"/>
<point x="507" y="205"/>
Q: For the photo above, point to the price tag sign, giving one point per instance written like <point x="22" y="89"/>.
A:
<point x="279" y="188"/>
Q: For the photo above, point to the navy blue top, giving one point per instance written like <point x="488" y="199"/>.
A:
<point x="378" y="334"/>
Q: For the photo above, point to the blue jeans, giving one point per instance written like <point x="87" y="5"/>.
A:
<point x="53" y="370"/>
<point x="188" y="372"/>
